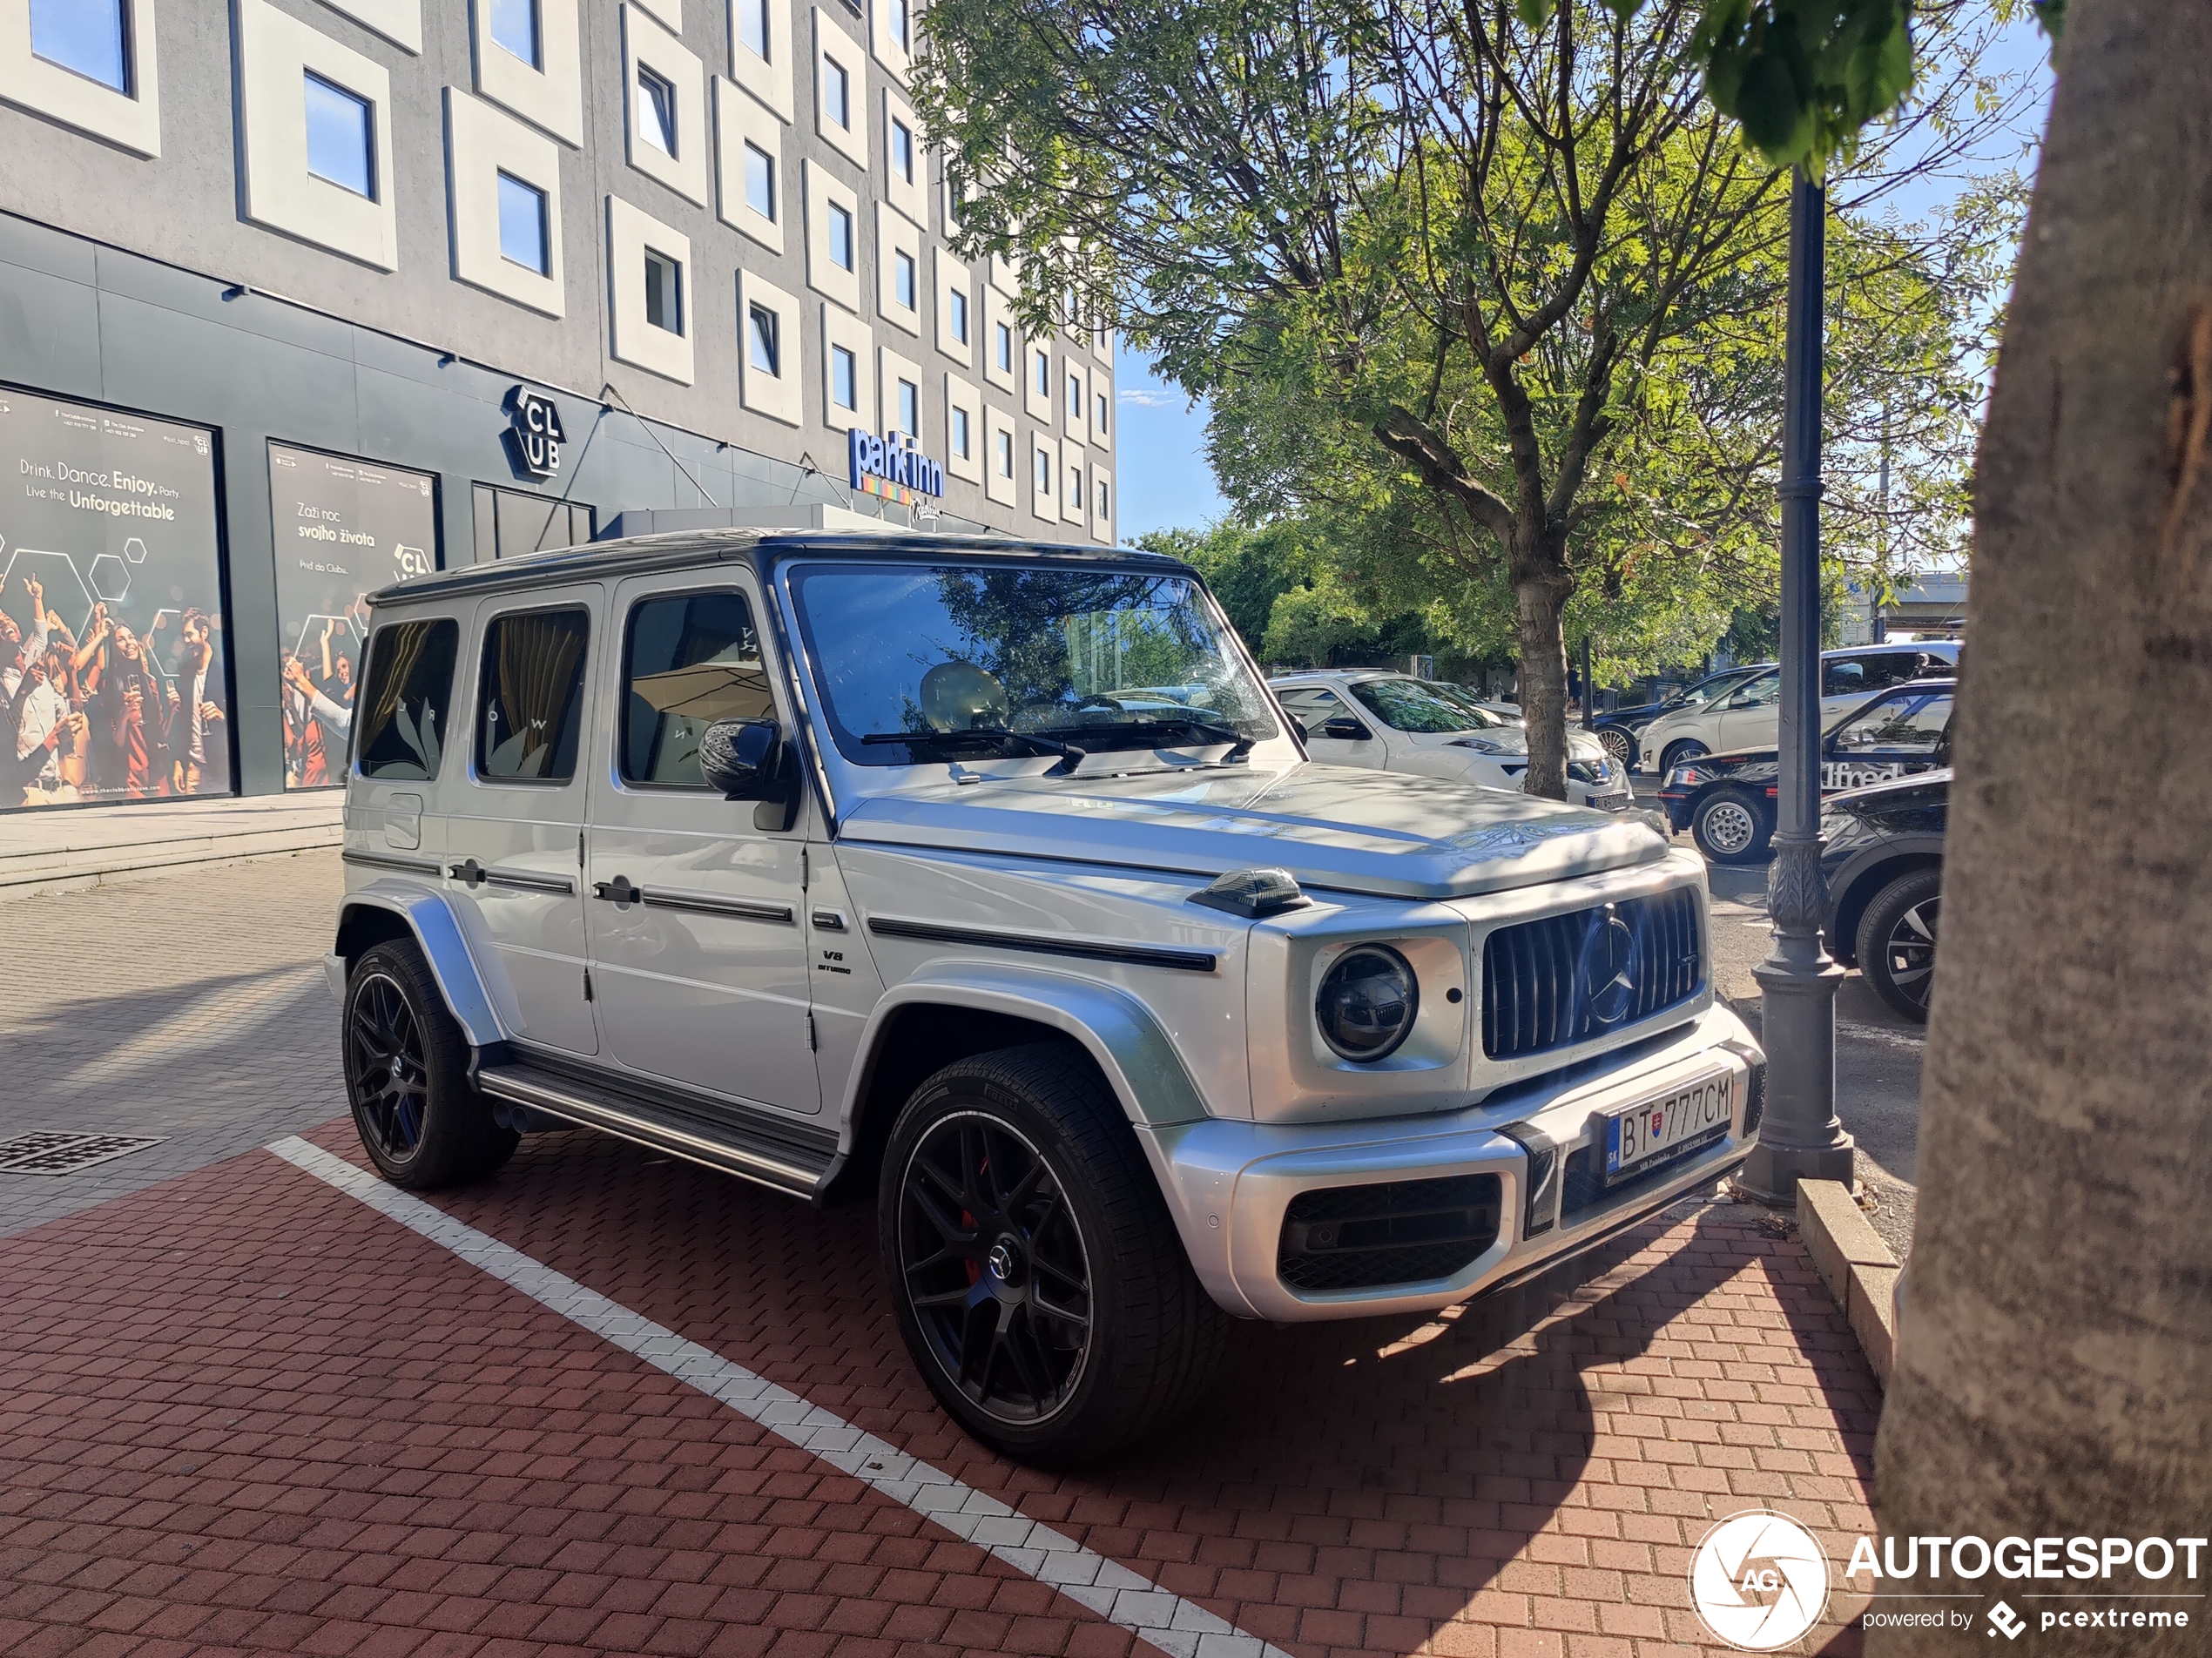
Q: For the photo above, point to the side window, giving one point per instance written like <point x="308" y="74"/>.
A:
<point x="404" y="704"/>
<point x="1756" y="693"/>
<point x="533" y="696"/>
<point x="1851" y="675"/>
<point x="1911" y="722"/>
<point x="689" y="660"/>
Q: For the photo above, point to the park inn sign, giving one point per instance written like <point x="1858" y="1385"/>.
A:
<point x="891" y="467"/>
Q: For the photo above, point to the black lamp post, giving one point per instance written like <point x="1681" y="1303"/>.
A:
<point x="1800" y="1136"/>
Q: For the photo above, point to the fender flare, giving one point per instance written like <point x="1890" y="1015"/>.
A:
<point x="1138" y="1059"/>
<point x="437" y="931"/>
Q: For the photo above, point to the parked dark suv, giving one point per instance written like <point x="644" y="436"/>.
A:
<point x="1884" y="861"/>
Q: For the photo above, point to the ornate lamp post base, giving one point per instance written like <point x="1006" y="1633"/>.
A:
<point x="1800" y="1136"/>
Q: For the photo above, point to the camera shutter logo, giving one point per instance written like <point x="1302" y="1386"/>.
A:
<point x="1759" y="1580"/>
<point x="2003" y="1621"/>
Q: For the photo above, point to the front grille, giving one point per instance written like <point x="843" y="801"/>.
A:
<point x="1403" y="1231"/>
<point x="1564" y="978"/>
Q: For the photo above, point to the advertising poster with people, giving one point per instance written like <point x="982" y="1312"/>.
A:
<point x="344" y="528"/>
<point x="113" y="682"/>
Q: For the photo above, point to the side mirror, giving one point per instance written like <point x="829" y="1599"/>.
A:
<point x="748" y="760"/>
<point x="1343" y="728"/>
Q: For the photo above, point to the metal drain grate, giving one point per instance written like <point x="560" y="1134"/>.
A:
<point x="48" y="1153"/>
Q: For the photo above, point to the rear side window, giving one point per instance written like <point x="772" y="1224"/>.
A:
<point x="533" y="696"/>
<point x="690" y="659"/>
<point x="400" y="735"/>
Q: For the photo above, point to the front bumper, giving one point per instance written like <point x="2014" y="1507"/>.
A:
<point x="1230" y="1184"/>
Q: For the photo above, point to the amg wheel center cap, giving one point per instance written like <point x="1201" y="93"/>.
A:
<point x="1005" y="1261"/>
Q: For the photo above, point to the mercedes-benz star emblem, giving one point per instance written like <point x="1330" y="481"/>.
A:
<point x="1001" y="1261"/>
<point x="1605" y="978"/>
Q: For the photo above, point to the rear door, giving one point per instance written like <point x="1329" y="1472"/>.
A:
<point x="698" y="938"/>
<point x="512" y="854"/>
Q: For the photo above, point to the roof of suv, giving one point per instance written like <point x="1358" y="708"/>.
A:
<point x="759" y="548"/>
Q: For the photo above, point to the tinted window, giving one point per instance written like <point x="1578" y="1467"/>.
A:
<point x="1408" y="705"/>
<point x="1911" y="722"/>
<point x="533" y="696"/>
<point x="691" y="660"/>
<point x="402" y="711"/>
<point x="1756" y="693"/>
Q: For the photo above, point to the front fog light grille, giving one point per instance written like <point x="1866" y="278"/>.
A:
<point x="1404" y="1231"/>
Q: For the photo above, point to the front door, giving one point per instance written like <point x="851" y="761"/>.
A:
<point x="511" y="848"/>
<point x="698" y="938"/>
<point x="1751" y="717"/>
<point x="1892" y="737"/>
<point x="1314" y="708"/>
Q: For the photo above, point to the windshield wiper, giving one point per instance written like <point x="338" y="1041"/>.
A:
<point x="1238" y="742"/>
<point x="1071" y="756"/>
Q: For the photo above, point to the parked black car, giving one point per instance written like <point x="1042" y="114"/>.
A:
<point x="1884" y="861"/>
<point x="1617" y="728"/>
<point x="1727" y="801"/>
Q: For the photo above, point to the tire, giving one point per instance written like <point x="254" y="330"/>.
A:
<point x="1897" y="941"/>
<point x="407" y="1076"/>
<point x="1730" y="826"/>
<point x="1689" y="749"/>
<point x="1619" y="744"/>
<point x="989" y="1294"/>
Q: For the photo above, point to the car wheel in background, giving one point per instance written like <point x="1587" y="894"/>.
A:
<point x="1677" y="753"/>
<point x="1730" y="827"/>
<point x="1034" y="1268"/>
<point x="1897" y="941"/>
<point x="1619" y="744"/>
<point x="407" y="1076"/>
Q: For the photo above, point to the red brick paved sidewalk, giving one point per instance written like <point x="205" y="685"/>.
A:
<point x="241" y="1411"/>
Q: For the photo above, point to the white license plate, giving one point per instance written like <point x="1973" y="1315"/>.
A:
<point x="1653" y="1128"/>
<point x="1610" y="802"/>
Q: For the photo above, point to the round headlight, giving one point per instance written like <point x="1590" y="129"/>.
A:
<point x="1367" y="1003"/>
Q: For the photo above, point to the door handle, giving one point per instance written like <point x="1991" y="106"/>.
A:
<point x="618" y="891"/>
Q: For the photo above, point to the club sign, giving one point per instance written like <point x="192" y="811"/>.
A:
<point x="890" y="467"/>
<point x="534" y="429"/>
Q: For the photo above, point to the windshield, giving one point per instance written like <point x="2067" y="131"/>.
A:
<point x="1705" y="690"/>
<point x="1478" y="718"/>
<point x="928" y="661"/>
<point x="1410" y="705"/>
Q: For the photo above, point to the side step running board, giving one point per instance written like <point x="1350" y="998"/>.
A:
<point x="765" y="1157"/>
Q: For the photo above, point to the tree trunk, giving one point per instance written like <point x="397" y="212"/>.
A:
<point x="1541" y="594"/>
<point x="2054" y="1367"/>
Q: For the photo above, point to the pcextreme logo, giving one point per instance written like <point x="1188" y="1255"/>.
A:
<point x="1758" y="1580"/>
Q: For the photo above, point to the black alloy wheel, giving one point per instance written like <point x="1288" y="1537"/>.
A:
<point x="407" y="1075"/>
<point x="1037" y="1278"/>
<point x="994" y="1267"/>
<point x="1897" y="943"/>
<point x="387" y="1071"/>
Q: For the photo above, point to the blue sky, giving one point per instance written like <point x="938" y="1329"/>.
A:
<point x="1160" y="461"/>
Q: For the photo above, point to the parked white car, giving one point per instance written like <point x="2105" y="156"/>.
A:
<point x="1391" y="722"/>
<point x="985" y="882"/>
<point x="1749" y="716"/>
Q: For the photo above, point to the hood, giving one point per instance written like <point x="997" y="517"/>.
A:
<point x="1344" y="828"/>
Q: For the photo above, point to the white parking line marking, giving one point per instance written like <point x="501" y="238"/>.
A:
<point x="1119" y="1595"/>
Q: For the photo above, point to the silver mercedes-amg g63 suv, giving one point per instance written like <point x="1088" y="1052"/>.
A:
<point x="988" y="880"/>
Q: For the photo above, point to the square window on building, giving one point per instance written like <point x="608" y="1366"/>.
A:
<point x="1075" y="486"/>
<point x="960" y="433"/>
<point x="1102" y="414"/>
<point x="87" y="37"/>
<point x="902" y="149"/>
<point x="902" y="28"/>
<point x="521" y="224"/>
<point x="760" y="181"/>
<point x="514" y="28"/>
<point x="1002" y="347"/>
<point x="956" y="314"/>
<point x="764" y="339"/>
<point x="902" y="278"/>
<point x="840" y="237"/>
<point x="910" y="408"/>
<point x="845" y="379"/>
<point x="664" y="292"/>
<point x="1006" y="454"/>
<point x="1075" y="398"/>
<point x="837" y="91"/>
<point x="1102" y="513"/>
<point x="752" y="29"/>
<point x="340" y="140"/>
<point x="657" y="112"/>
<point x="1044" y="377"/>
<point x="1044" y="473"/>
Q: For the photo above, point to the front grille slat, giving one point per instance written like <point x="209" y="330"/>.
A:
<point x="1560" y="980"/>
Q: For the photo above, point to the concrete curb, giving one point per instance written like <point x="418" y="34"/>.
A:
<point x="1855" y="1264"/>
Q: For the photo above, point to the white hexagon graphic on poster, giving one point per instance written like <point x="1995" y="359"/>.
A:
<point x="64" y="590"/>
<point x="135" y="550"/>
<point x="344" y="635"/>
<point x="110" y="578"/>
